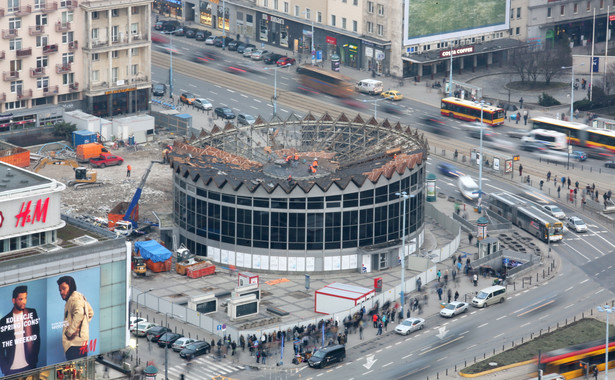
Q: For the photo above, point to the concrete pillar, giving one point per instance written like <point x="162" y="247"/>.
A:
<point x="474" y="63"/>
<point x="420" y="72"/>
<point x="460" y="62"/>
<point x="434" y="70"/>
<point x="489" y="60"/>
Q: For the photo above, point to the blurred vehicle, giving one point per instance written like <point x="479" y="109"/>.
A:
<point x="449" y="170"/>
<point x="409" y="325"/>
<point x="245" y="119"/>
<point x="240" y="68"/>
<point x="190" y="33"/>
<point x="158" y="25"/>
<point x="436" y="124"/>
<point x="202" y="104"/>
<point x="272" y="58"/>
<point x="553" y="139"/>
<point x="218" y="42"/>
<point x="319" y="80"/>
<point x="247" y="52"/>
<point x="532" y="146"/>
<point x="353" y="103"/>
<point x="528" y="192"/>
<point x="392" y="109"/>
<point x="467" y="187"/>
<point x="392" y="95"/>
<point x="551" y="155"/>
<point x="181" y="343"/>
<point x="187" y="98"/>
<point x="471" y="111"/>
<point x="167" y="49"/>
<point x="554" y="211"/>
<point x="258" y="54"/>
<point x="158" y="39"/>
<point x="210" y="40"/>
<point x="473" y="130"/>
<point x="156" y="332"/>
<point x="195" y="349"/>
<point x="142" y="328"/>
<point x="202" y="35"/>
<point x="170" y="25"/>
<point x="224" y="112"/>
<point x="285" y="61"/>
<point x="578" y="155"/>
<point x="497" y="142"/>
<point x="609" y="164"/>
<point x="454" y="308"/>
<point x="577" y="224"/>
<point x="369" y="86"/>
<point x="242" y="47"/>
<point x="168" y="338"/>
<point x="180" y="32"/>
<point x="159" y="89"/>
<point x="599" y="153"/>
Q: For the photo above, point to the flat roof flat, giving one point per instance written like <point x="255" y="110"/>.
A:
<point x="344" y="290"/>
<point x="15" y="178"/>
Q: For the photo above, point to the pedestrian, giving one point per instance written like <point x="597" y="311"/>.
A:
<point x="517" y="117"/>
<point x="569" y="182"/>
<point x="576" y="184"/>
<point x="128" y="169"/>
<point x="233" y="347"/>
<point x="549" y="176"/>
<point x="454" y="260"/>
<point x="106" y="373"/>
<point x="449" y="295"/>
<point x="361" y="330"/>
<point x="470" y="237"/>
<point x="454" y="273"/>
<point x="379" y="329"/>
<point x="438" y="275"/>
<point x="456" y="295"/>
<point x="524" y="117"/>
<point x="541" y="184"/>
<point x="385" y="320"/>
<point x="264" y="356"/>
<point x="520" y="170"/>
<point x="459" y="265"/>
<point x="375" y="319"/>
<point x="408" y="313"/>
<point x="439" y="293"/>
<point x="258" y="356"/>
<point x="521" y="103"/>
<point x="475" y="279"/>
<point x="595" y="372"/>
<point x="559" y="188"/>
<point x="418" y="283"/>
<point x="563" y="179"/>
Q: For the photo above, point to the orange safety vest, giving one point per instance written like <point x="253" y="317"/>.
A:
<point x="315" y="163"/>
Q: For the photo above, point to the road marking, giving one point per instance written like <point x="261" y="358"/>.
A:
<point x="442" y="358"/>
<point x="211" y="92"/>
<point x="544" y="316"/>
<point x="257" y="101"/>
<point x="244" y="95"/>
<point x="599" y="291"/>
<point x="365" y="373"/>
<point x="571" y="247"/>
<point x="253" y="107"/>
<point x="502" y="317"/>
<point x="536" y="308"/>
<point x="569" y="289"/>
<point x="527" y="324"/>
<point x="497" y="336"/>
<point x="192" y="85"/>
<point x="387" y="364"/>
<point x="407" y="356"/>
<point x="380" y="350"/>
<point x="584" y="281"/>
<point x="442" y="345"/>
<point x="397" y="343"/>
<point x="571" y="305"/>
<point x="465" y="332"/>
<point x="483" y="325"/>
<point x="495" y="187"/>
<point x="229" y="90"/>
<point x="474" y="345"/>
<point x="388" y="346"/>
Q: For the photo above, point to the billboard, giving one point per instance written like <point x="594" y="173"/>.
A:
<point x="19" y="216"/>
<point x="49" y="321"/>
<point x="428" y="21"/>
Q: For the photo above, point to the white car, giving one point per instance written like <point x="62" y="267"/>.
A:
<point x="554" y="211"/>
<point x="577" y="224"/>
<point x="142" y="328"/>
<point x="134" y="321"/>
<point x="203" y="104"/>
<point x="181" y="343"/>
<point x="454" y="308"/>
<point x="210" y="40"/>
<point x="409" y="325"/>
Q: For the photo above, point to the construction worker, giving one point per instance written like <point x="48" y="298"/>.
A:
<point x="296" y="156"/>
<point x="315" y="163"/>
<point x="128" y="169"/>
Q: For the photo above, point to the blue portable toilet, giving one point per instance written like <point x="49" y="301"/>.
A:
<point x="83" y="137"/>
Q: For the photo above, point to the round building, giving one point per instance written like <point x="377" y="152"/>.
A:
<point x="301" y="195"/>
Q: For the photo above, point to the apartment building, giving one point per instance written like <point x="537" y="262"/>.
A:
<point x="116" y="56"/>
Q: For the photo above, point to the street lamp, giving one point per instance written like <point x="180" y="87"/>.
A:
<point x="171" y="32"/>
<point x="166" y="346"/>
<point x="307" y="15"/>
<point x="137" y="315"/>
<point x="375" y="101"/>
<point x="480" y="161"/>
<point x="403" y="196"/>
<point x="223" y="24"/>
<point x="450" y="77"/>
<point x="275" y="85"/>
<point x="608" y="310"/>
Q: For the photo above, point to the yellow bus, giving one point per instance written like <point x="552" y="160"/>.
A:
<point x="316" y="79"/>
<point x="578" y="134"/>
<point x="470" y="111"/>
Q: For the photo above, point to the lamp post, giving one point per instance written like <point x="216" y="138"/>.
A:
<point x="312" y="52"/>
<point x="375" y="101"/>
<point x="166" y="346"/>
<point x="275" y="86"/>
<point x="571" y="88"/>
<point x="171" y="63"/>
<point x="403" y="196"/>
<point x="137" y="315"/>
<point x="608" y="310"/>
<point x="450" y="74"/>
<point x="480" y="161"/>
<point x="223" y="24"/>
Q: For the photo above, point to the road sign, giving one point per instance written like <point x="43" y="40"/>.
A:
<point x="221" y="327"/>
<point x="596" y="64"/>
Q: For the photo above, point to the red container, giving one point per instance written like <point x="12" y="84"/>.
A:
<point x="200" y="270"/>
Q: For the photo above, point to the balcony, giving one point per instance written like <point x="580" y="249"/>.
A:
<point x="49" y="6"/>
<point x="9" y="33"/>
<point x="62" y="26"/>
<point x="37" y="72"/>
<point x="10" y="75"/>
<point x="37" y="30"/>
<point x="74" y="86"/>
<point x="24" y="52"/>
<point x="24" y="94"/>
<point x="22" y="11"/>
<point x="71" y="4"/>
<point x="73" y="45"/>
<point x="63" y="68"/>
<point x="49" y="49"/>
<point x="51" y="90"/>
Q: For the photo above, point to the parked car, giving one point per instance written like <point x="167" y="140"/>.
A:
<point x="242" y="47"/>
<point x="285" y="61"/>
<point x="609" y="164"/>
<point x="180" y="32"/>
<point x="577" y="224"/>
<point x="578" y="155"/>
<point x="247" y="52"/>
<point x="202" y="35"/>
<point x="158" y="25"/>
<point x="409" y="325"/>
<point x="106" y="159"/>
<point x="454" y="308"/>
<point x="187" y="98"/>
<point x="324" y="356"/>
<point x="202" y="104"/>
<point x="219" y="39"/>
<point x="224" y="112"/>
<point x="142" y="328"/>
<point x="392" y="94"/>
<point x="272" y="58"/>
<point x="233" y="45"/>
<point x="245" y="119"/>
<point x="156" y="332"/>
<point x="181" y="343"/>
<point x="190" y="33"/>
<point x="554" y="211"/>
<point x="159" y="89"/>
<point x="195" y="349"/>
<point x="170" y="25"/>
<point x="258" y="54"/>
<point x="210" y="40"/>
<point x="168" y="338"/>
<point x="134" y="321"/>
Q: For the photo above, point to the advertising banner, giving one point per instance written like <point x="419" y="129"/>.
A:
<point x="49" y="321"/>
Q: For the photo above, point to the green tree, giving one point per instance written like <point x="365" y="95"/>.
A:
<point x="64" y="130"/>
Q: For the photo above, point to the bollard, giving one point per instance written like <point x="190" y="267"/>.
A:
<point x="494" y="351"/>
<point x="548" y="329"/>
<point x="566" y="321"/>
<point x="540" y="334"/>
<point x="484" y="355"/>
<point x="543" y="273"/>
<point x="536" y="277"/>
<point x="437" y="375"/>
<point x="514" y="285"/>
<point x="503" y="348"/>
<point x="475" y="359"/>
<point x="447" y="372"/>
<point x="557" y="325"/>
<point x="531" y="336"/>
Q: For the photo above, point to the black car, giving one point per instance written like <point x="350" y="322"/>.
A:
<point x="168" y="339"/>
<point x="242" y="47"/>
<point x="218" y="41"/>
<point x="159" y="89"/>
<point x="224" y="112"/>
<point x="532" y="146"/>
<point x="190" y="33"/>
<point x="156" y="332"/>
<point x="158" y="25"/>
<point x="195" y="349"/>
<point x="272" y="58"/>
<point x="202" y="35"/>
<point x="233" y="45"/>
<point x="170" y="25"/>
<point x="609" y="164"/>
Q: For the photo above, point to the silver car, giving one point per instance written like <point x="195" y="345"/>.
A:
<point x="202" y="104"/>
<point x="554" y="211"/>
<point x="258" y="54"/>
<point x="577" y="224"/>
<point x="454" y="308"/>
<point x="181" y="343"/>
<point x="248" y="52"/>
<point x="409" y="325"/>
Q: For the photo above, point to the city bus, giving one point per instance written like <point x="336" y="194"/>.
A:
<point x="552" y="139"/>
<point x="470" y="111"/>
<point x="567" y="361"/>
<point x="578" y="134"/>
<point x="314" y="78"/>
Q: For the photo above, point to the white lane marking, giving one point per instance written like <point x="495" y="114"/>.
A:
<point x="502" y="317"/>
<point x="571" y="305"/>
<point x="483" y="325"/>
<point x="497" y="336"/>
<point x="407" y="356"/>
<point x="365" y="373"/>
<point x="584" y="281"/>
<point x="599" y="291"/>
<point x="387" y="364"/>
<point x="571" y="247"/>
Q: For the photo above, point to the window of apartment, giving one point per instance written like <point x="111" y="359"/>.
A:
<point x="518" y="12"/>
<point x="67" y="17"/>
<point x="41" y="41"/>
<point x="512" y="13"/>
<point x="15" y="44"/>
<point x="275" y="4"/>
<point x="134" y="70"/>
<point x="67" y="37"/>
<point x="588" y="6"/>
<point x="114" y="73"/>
<point x="297" y="11"/>
<point x="94" y="15"/>
<point x="601" y="4"/>
<point x="286" y="7"/>
<point x="16" y="86"/>
<point x="39" y="4"/>
<point x="134" y="52"/>
<point x="115" y="54"/>
<point x="134" y="10"/>
<point x="115" y="12"/>
<point x="266" y="3"/>
<point x="15" y="23"/>
<point x="562" y="10"/>
<point x="95" y="57"/>
<point x="13" y="5"/>
<point x="370" y="7"/>
<point x="15" y="65"/>
<point x="549" y="12"/>
<point x="343" y="22"/>
<point x="380" y="10"/>
<point x="575" y="8"/>
<point x="95" y="76"/>
<point x="95" y="34"/>
<point x="344" y="1"/>
<point x="68" y="58"/>
<point x="355" y="26"/>
<point x="41" y="19"/>
<point x="355" y="2"/>
<point x="42" y="61"/>
<point x="115" y="33"/>
<point x="42" y="82"/>
<point x="332" y="20"/>
<point x="15" y="105"/>
<point x="517" y="31"/>
<point x="134" y="28"/>
<point x="308" y="13"/>
<point x="68" y="78"/>
<point x="370" y="27"/>
<point x="319" y="17"/>
<point x="380" y="30"/>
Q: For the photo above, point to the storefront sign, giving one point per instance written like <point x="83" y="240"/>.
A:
<point x="6" y="116"/>
<point x="120" y="91"/>
<point x="369" y="52"/>
<point x="458" y="51"/>
<point x="331" y="40"/>
<point x="379" y="55"/>
<point x="21" y="216"/>
<point x="277" y="20"/>
<point x="351" y="48"/>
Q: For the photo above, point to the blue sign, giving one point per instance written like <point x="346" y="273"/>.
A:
<point x="596" y="64"/>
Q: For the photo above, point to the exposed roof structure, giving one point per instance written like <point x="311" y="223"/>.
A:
<point x="300" y="152"/>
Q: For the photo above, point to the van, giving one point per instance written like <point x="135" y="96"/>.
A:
<point x="369" y="86"/>
<point x="467" y="187"/>
<point x="490" y="295"/>
<point x="327" y="355"/>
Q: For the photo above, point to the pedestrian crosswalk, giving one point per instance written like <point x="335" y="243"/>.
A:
<point x="203" y="367"/>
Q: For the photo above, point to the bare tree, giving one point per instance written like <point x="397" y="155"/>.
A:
<point x="521" y="62"/>
<point x="609" y="79"/>
<point x="552" y="59"/>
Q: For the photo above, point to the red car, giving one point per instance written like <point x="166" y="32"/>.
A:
<point x="285" y="61"/>
<point x="106" y="159"/>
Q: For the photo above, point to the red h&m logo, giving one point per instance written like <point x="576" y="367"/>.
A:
<point x="83" y="350"/>
<point x="26" y="215"/>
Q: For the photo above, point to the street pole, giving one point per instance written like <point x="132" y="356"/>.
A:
<point x="223" y="24"/>
<point x="312" y="39"/>
<point x="450" y="74"/>
<point x="171" y="68"/>
<point x="275" y="86"/>
<point x="136" y="327"/>
<point x="166" y="350"/>
<point x="480" y="161"/>
<point x="608" y="310"/>
<point x="404" y="196"/>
